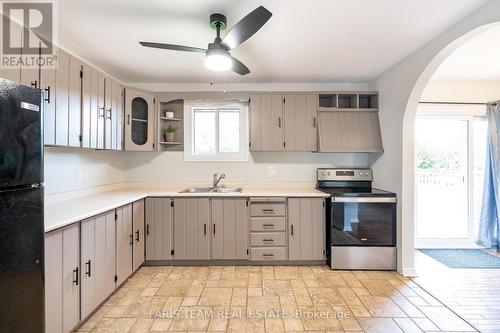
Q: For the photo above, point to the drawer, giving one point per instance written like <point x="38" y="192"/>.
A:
<point x="267" y="224"/>
<point x="267" y="199"/>
<point x="268" y="253"/>
<point x="267" y="209"/>
<point x="268" y="239"/>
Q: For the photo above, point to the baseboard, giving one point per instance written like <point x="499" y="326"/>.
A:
<point x="233" y="263"/>
<point x="409" y="272"/>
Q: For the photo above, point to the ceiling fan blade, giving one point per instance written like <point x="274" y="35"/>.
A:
<point x="239" y="67"/>
<point x="173" y="47"/>
<point x="248" y="26"/>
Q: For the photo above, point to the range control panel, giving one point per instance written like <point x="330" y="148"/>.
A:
<point x="354" y="174"/>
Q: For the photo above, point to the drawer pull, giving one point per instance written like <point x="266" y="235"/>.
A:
<point x="268" y="255"/>
<point x="268" y="240"/>
<point x="364" y="239"/>
<point x="268" y="225"/>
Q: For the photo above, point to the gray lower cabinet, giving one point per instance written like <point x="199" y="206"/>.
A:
<point x="306" y="228"/>
<point x="62" y="290"/>
<point x="229" y="228"/>
<point x="124" y="242"/>
<point x="138" y="227"/>
<point x="191" y="224"/>
<point x="97" y="261"/>
<point x="159" y="243"/>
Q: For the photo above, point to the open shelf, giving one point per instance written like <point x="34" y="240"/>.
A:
<point x="368" y="101"/>
<point x="347" y="101"/>
<point x="177" y="107"/>
<point x="170" y="143"/>
<point x="327" y="101"/>
<point x="170" y="119"/>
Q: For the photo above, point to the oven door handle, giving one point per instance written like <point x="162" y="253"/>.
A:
<point x="365" y="199"/>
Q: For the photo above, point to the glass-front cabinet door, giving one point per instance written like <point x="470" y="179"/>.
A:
<point x="139" y="120"/>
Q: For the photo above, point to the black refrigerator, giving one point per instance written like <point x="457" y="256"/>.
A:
<point x="21" y="209"/>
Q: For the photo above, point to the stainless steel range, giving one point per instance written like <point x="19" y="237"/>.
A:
<point x="360" y="220"/>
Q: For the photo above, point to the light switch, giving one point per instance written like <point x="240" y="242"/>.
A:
<point x="271" y="171"/>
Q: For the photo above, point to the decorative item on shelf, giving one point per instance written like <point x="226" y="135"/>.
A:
<point x="170" y="133"/>
<point x="169" y="113"/>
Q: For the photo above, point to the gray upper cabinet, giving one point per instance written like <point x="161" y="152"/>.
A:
<point x="300" y="125"/>
<point x="48" y="86"/>
<point x="306" y="231"/>
<point x="349" y="131"/>
<point x="266" y="122"/>
<point x="159" y="242"/>
<point x="138" y="228"/>
<point x="229" y="228"/>
<point x="124" y="242"/>
<point x="191" y="228"/>
<point x="139" y="120"/>
<point x="74" y="102"/>
<point x="62" y="98"/>
<point x="62" y="287"/>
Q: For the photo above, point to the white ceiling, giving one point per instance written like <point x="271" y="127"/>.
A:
<point x="476" y="60"/>
<point x="305" y="41"/>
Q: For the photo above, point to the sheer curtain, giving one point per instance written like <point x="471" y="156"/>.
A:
<point x="489" y="224"/>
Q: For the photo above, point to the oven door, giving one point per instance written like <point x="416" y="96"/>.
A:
<point x="363" y="221"/>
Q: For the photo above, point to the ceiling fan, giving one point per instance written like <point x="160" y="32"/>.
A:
<point x="218" y="57"/>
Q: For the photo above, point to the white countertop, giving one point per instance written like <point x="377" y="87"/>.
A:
<point x="64" y="209"/>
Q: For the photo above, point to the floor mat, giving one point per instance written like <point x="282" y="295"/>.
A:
<point x="463" y="258"/>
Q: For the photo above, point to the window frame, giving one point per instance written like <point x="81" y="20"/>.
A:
<point x="189" y="110"/>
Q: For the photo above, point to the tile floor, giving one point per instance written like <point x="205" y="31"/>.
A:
<point x="271" y="299"/>
<point x="474" y="294"/>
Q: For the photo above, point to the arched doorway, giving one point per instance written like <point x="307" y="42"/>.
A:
<point x="408" y="141"/>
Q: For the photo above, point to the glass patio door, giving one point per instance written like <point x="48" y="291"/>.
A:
<point x="442" y="182"/>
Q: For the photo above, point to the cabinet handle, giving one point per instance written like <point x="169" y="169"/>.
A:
<point x="137" y="235"/>
<point x="292" y="229"/>
<point x="75" y="278"/>
<point x="128" y="119"/>
<point x="314" y="122"/>
<point x="214" y="228"/>
<point x="88" y="266"/>
<point x="279" y="122"/>
<point x="109" y="113"/>
<point x="147" y="229"/>
<point x="47" y="90"/>
<point x="205" y="229"/>
<point x="131" y="239"/>
<point x="101" y="114"/>
<point x="34" y="84"/>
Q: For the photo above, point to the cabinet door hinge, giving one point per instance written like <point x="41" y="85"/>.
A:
<point x="116" y="278"/>
<point x="81" y="74"/>
<point x="172" y="203"/>
<point x="172" y="252"/>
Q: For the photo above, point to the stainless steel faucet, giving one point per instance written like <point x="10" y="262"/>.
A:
<point x="218" y="178"/>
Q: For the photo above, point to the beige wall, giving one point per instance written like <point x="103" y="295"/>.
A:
<point x="462" y="91"/>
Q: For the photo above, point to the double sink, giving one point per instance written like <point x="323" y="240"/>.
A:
<point x="221" y="189"/>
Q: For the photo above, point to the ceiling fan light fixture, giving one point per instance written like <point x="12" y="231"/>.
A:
<point x="218" y="60"/>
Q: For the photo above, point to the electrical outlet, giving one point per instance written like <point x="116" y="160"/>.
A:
<point x="79" y="176"/>
<point x="271" y="171"/>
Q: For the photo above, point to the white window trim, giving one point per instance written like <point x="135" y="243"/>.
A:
<point x="242" y="156"/>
